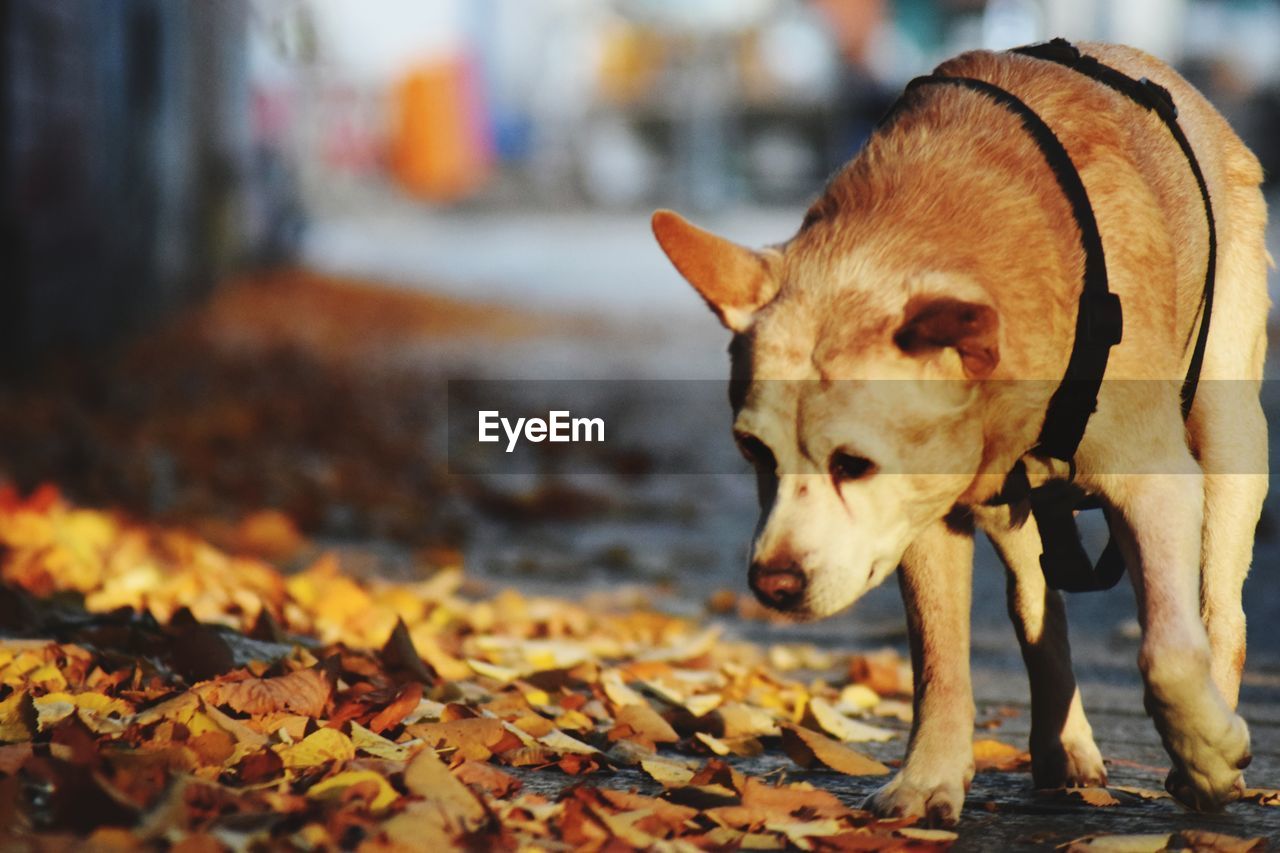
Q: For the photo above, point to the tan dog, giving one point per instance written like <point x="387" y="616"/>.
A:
<point x="946" y="250"/>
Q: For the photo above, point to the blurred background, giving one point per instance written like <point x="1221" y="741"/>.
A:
<point x="500" y="148"/>
<point x="246" y="243"/>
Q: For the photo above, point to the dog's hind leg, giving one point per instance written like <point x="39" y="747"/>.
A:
<point x="1158" y="525"/>
<point x="1063" y="752"/>
<point x="1231" y="439"/>
<point x="1228" y="432"/>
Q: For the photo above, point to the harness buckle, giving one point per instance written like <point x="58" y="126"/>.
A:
<point x="1104" y="318"/>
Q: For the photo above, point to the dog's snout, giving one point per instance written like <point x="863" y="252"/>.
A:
<point x="780" y="587"/>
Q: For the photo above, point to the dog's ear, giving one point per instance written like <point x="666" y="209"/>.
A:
<point x="939" y="322"/>
<point x="735" y="281"/>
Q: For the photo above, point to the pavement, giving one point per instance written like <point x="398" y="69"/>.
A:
<point x="689" y="533"/>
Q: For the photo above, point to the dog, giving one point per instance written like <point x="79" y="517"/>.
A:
<point x="946" y="250"/>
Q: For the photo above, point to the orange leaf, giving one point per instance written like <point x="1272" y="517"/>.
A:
<point x="647" y="723"/>
<point x="304" y="692"/>
<point x="476" y="738"/>
<point x="994" y="755"/>
<point x="487" y="778"/>
<point x="407" y="699"/>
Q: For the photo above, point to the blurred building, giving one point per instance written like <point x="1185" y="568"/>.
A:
<point x="123" y="147"/>
<point x="702" y="103"/>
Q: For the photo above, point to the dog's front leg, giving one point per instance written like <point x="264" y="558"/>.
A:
<point x="936" y="579"/>
<point x="1160" y="529"/>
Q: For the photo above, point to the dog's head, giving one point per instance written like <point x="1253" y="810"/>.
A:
<point x="854" y="385"/>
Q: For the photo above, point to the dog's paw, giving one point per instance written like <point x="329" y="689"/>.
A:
<point x="1064" y="763"/>
<point x="937" y="802"/>
<point x="1207" y="769"/>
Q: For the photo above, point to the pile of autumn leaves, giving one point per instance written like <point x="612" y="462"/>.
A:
<point x="204" y="700"/>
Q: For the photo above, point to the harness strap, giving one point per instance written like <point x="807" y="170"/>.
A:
<point x="1156" y="98"/>
<point x="1064" y="555"/>
<point x="1099" y="324"/>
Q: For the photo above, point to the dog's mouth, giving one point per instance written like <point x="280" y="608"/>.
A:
<point x="793" y="593"/>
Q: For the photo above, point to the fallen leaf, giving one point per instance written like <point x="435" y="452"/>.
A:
<point x="406" y="700"/>
<point x="1144" y="793"/>
<point x="859" y="697"/>
<point x="1097" y="797"/>
<point x="487" y="778"/>
<point x="841" y="727"/>
<point x="919" y="833"/>
<point x="375" y="790"/>
<point x="447" y="800"/>
<point x="739" y="720"/>
<point x="667" y="772"/>
<point x="260" y="766"/>
<point x="316" y="748"/>
<point x="376" y="745"/>
<point x="784" y="801"/>
<point x="615" y="687"/>
<point x="994" y="755"/>
<point x="647" y="723"/>
<point x="714" y="744"/>
<point x="304" y="692"/>
<point x="884" y="671"/>
<point x="558" y="741"/>
<point x="1262" y="796"/>
<point x="476" y="738"/>
<point x="806" y="748"/>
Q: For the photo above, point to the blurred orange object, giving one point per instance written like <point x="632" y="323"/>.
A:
<point x="440" y="150"/>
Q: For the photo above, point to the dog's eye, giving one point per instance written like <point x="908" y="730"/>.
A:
<point x="756" y="451"/>
<point x="846" y="467"/>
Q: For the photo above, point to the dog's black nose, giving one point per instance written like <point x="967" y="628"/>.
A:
<point x="779" y="587"/>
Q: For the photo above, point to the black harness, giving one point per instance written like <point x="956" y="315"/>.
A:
<point x="1099" y="323"/>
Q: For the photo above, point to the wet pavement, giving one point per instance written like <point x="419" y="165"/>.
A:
<point x="687" y="534"/>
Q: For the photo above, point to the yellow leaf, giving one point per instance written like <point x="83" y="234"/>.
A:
<point x="501" y="674"/>
<point x="379" y="747"/>
<point x="47" y="677"/>
<point x="859" y="697"/>
<point x="316" y="748"/>
<point x="694" y="647"/>
<point x="15" y="718"/>
<point x="843" y="728"/>
<point x="336" y="786"/>
<point x="53" y="708"/>
<point x="702" y="705"/>
<point x="747" y="721"/>
<point x="669" y="773"/>
<point x="102" y="703"/>
<point x="550" y="654"/>
<point x="920" y="833"/>
<point x="562" y="743"/>
<point x="575" y="721"/>
<point x="713" y="743"/>
<point x="806" y="748"/>
<point x="615" y="687"/>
